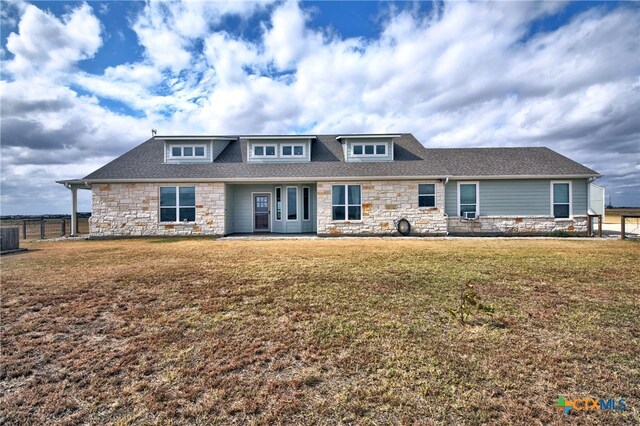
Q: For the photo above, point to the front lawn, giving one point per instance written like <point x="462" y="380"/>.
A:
<point x="318" y="331"/>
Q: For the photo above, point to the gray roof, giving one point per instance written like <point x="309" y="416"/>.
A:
<point x="411" y="158"/>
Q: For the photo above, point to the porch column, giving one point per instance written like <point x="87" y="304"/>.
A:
<point x="74" y="211"/>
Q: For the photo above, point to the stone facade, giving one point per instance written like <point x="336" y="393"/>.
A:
<point x="131" y="209"/>
<point x="525" y="225"/>
<point x="383" y="203"/>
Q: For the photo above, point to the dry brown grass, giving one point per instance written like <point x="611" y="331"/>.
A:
<point x="613" y="216"/>
<point x="317" y="332"/>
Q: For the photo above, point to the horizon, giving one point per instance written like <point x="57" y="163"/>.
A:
<point x="82" y="83"/>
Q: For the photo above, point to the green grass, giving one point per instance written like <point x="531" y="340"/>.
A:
<point x="318" y="331"/>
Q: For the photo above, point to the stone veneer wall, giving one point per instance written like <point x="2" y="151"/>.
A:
<point x="131" y="209"/>
<point x="525" y="225"/>
<point x="384" y="202"/>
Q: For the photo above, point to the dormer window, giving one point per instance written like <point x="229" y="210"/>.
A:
<point x="293" y="150"/>
<point x="283" y="149"/>
<point x="369" y="149"/>
<point x="264" y="150"/>
<point x="188" y="151"/>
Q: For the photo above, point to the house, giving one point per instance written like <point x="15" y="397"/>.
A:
<point x="353" y="184"/>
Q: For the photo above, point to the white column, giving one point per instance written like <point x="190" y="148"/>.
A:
<point x="74" y="211"/>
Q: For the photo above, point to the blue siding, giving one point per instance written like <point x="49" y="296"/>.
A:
<point x="580" y="189"/>
<point x="241" y="208"/>
<point x="228" y="209"/>
<point x="525" y="197"/>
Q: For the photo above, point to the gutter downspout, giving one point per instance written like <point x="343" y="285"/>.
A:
<point x="589" y="218"/>
<point x="444" y="196"/>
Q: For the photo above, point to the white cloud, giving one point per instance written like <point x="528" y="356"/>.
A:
<point x="287" y="39"/>
<point x="47" y="44"/>
<point x="167" y="30"/>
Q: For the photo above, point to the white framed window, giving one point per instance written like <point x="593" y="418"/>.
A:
<point x="427" y="195"/>
<point x="278" y="203"/>
<point x="187" y="151"/>
<point x="346" y="202"/>
<point x="561" y="196"/>
<point x="369" y="149"/>
<point x="292" y="150"/>
<point x="264" y="150"/>
<point x="468" y="198"/>
<point x="306" y="203"/>
<point x="177" y="204"/>
<point x="292" y="203"/>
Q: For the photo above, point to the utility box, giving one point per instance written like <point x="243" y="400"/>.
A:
<point x="9" y="239"/>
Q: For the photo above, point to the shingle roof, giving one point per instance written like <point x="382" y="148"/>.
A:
<point x="411" y="158"/>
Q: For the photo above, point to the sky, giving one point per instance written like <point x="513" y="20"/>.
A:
<point x="82" y="83"/>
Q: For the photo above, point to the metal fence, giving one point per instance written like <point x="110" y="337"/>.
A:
<point x="30" y="229"/>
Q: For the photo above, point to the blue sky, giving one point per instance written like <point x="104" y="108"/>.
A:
<point x="81" y="83"/>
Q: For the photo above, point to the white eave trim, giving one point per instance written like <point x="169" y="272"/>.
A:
<point x="376" y="136"/>
<point x="269" y="179"/>
<point x="511" y="177"/>
<point x="325" y="178"/>
<point x="188" y="138"/>
<point x="277" y="138"/>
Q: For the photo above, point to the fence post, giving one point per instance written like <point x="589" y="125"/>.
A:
<point x="42" y="225"/>
<point x="24" y="229"/>
<point x="63" y="223"/>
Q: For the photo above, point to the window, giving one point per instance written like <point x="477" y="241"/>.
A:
<point x="292" y="203"/>
<point x="467" y="197"/>
<point x="264" y="150"/>
<point x="278" y="203"/>
<point x="305" y="202"/>
<point x="292" y="150"/>
<point x="346" y="202"/>
<point x="369" y="149"/>
<point x="191" y="151"/>
<point x="177" y="204"/>
<point x="561" y="199"/>
<point x="427" y="195"/>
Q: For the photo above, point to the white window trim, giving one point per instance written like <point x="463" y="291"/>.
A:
<point x="435" y="195"/>
<point x="188" y="157"/>
<point x="386" y="149"/>
<point x="275" y="204"/>
<point x="552" y="203"/>
<point x="477" y="183"/>
<point x="252" y="150"/>
<point x="346" y="204"/>
<point x="177" y="207"/>
<point x="297" y="205"/>
<point x="282" y="154"/>
<point x="309" y="200"/>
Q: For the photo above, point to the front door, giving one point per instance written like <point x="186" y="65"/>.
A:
<point x="261" y="212"/>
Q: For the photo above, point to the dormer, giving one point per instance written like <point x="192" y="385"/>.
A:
<point x="192" y="149"/>
<point x="279" y="149"/>
<point x="367" y="148"/>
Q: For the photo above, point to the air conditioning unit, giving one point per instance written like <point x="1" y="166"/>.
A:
<point x="471" y="215"/>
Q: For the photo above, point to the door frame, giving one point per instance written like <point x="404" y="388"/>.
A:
<point x="253" y="211"/>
